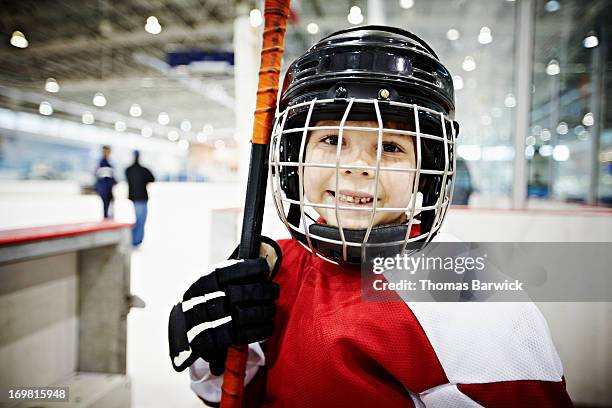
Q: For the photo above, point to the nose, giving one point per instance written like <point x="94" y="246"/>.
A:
<point x="359" y="158"/>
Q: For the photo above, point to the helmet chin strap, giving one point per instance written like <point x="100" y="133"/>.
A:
<point x="391" y="237"/>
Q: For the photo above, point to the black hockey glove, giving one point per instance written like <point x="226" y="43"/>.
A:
<point x="233" y="304"/>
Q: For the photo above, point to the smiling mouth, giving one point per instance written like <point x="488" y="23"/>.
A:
<point x="355" y="198"/>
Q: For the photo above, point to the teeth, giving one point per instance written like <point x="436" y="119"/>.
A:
<point x="351" y="199"/>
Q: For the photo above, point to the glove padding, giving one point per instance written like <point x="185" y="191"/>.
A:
<point x="233" y="304"/>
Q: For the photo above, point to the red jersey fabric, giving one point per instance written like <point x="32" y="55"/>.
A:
<point x="331" y="348"/>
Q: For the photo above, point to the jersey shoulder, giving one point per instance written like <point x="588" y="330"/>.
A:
<point x="490" y="342"/>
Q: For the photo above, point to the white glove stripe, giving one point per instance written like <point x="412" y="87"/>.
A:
<point x="191" y="334"/>
<point x="182" y="357"/>
<point x="189" y="304"/>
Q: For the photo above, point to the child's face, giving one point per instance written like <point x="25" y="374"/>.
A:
<point x="356" y="186"/>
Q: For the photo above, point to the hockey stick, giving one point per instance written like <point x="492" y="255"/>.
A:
<point x="276" y="13"/>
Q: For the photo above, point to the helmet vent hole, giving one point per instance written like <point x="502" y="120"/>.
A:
<point x="307" y="69"/>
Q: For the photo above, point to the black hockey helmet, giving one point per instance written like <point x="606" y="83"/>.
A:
<point x="409" y="84"/>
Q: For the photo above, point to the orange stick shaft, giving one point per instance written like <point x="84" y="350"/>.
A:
<point x="276" y="13"/>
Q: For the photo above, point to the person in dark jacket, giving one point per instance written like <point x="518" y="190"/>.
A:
<point x="105" y="180"/>
<point x="138" y="177"/>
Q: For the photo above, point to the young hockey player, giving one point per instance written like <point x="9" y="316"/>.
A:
<point x="361" y="163"/>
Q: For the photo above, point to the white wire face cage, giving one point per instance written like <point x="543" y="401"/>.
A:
<point x="386" y="204"/>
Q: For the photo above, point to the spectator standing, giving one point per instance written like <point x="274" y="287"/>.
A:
<point x="138" y="177"/>
<point x="105" y="180"/>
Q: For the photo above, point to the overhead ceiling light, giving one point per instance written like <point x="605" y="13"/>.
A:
<point x="173" y="135"/>
<point x="530" y="140"/>
<point x="312" y="28"/>
<point x="219" y="144"/>
<point x="152" y="26"/>
<point x="545" y="151"/>
<point x="201" y="137"/>
<point x="355" y="17"/>
<point x="588" y="119"/>
<point x="163" y="118"/>
<point x="469" y="64"/>
<point x="510" y="101"/>
<point x="590" y="41"/>
<point x="553" y="68"/>
<point x="51" y="85"/>
<point x="457" y="82"/>
<point x="185" y="125"/>
<point x="529" y="151"/>
<point x="561" y="153"/>
<point x="99" y="99"/>
<point x="406" y="4"/>
<point x="146" y="131"/>
<point x="551" y="6"/>
<point x="207" y="129"/>
<point x="562" y="128"/>
<point x="545" y="135"/>
<point x="485" y="37"/>
<point x="453" y="34"/>
<point x="45" y="108"/>
<point x="135" y="110"/>
<point x="255" y="18"/>
<point x="120" y="126"/>
<point x="87" y="118"/>
<point x="19" y="40"/>
<point x="183" y="144"/>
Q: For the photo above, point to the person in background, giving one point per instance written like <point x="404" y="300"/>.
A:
<point x="138" y="177"/>
<point x="105" y="180"/>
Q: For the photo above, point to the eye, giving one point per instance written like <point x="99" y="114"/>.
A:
<point x="330" y="140"/>
<point x="391" y="147"/>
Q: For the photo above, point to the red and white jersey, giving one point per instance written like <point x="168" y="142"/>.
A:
<point x="331" y="348"/>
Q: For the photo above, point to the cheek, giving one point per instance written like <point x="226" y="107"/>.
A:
<point x="398" y="188"/>
<point x="313" y="183"/>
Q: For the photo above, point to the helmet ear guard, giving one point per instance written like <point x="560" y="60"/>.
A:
<point x="419" y="99"/>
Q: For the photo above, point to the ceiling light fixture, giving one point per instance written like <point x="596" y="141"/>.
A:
<point x="458" y="82"/>
<point x="99" y="100"/>
<point x="185" y="125"/>
<point x="45" y="108"/>
<point x="87" y="118"/>
<point x="120" y="126"/>
<point x="553" y="68"/>
<point x="551" y="6"/>
<point x="135" y="110"/>
<point x="51" y="85"/>
<point x="19" y="40"/>
<point x="255" y="18"/>
<point x="590" y="41"/>
<point x="152" y="26"/>
<point x="173" y="135"/>
<point x="406" y="4"/>
<point x="312" y="28"/>
<point x="453" y="34"/>
<point x="355" y="17"/>
<point x="146" y="131"/>
<point x="163" y="118"/>
<point x="485" y="37"/>
<point x="469" y="64"/>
